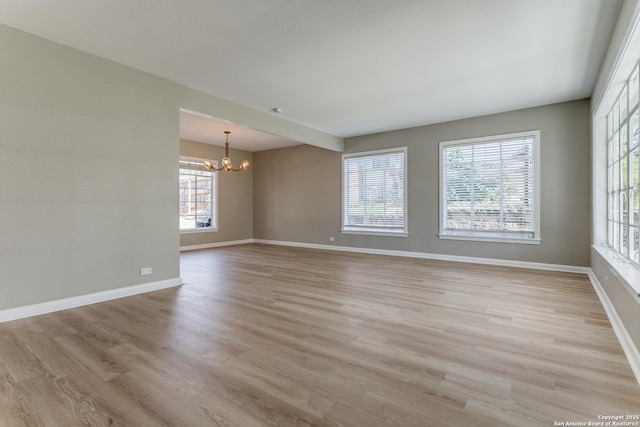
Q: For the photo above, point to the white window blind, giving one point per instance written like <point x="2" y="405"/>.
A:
<point x="374" y="198"/>
<point x="488" y="187"/>
<point x="197" y="196"/>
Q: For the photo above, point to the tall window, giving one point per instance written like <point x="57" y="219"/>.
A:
<point x="374" y="192"/>
<point x="489" y="189"/>
<point x="197" y="190"/>
<point x="623" y="172"/>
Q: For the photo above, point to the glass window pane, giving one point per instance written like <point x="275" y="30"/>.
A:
<point x="610" y="233"/>
<point x="610" y="152"/>
<point x="633" y="206"/>
<point x="623" y="104"/>
<point x="633" y="170"/>
<point x="196" y="196"/>
<point x="489" y="187"/>
<point x="635" y="245"/>
<point x="633" y="88"/>
<point x="610" y="124"/>
<point x="624" y="173"/>
<point x="634" y="131"/>
<point x="624" y="202"/>
<point x="610" y="216"/>
<point x="635" y="167"/>
<point x="374" y="192"/>
<point x="187" y="222"/>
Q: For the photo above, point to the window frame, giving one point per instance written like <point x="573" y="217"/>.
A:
<point x="214" y="199"/>
<point x="351" y="229"/>
<point x="616" y="189"/>
<point x="492" y="236"/>
<point x="607" y="264"/>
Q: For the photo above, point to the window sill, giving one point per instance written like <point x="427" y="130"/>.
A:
<point x="199" y="230"/>
<point x="370" y="232"/>
<point x="489" y="239"/>
<point x="626" y="272"/>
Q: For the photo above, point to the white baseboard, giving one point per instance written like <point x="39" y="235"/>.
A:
<point x="215" y="245"/>
<point x="66" y="303"/>
<point x="629" y="348"/>
<point x="440" y="257"/>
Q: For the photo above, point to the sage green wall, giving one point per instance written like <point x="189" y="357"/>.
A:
<point x="235" y="197"/>
<point x="301" y="202"/>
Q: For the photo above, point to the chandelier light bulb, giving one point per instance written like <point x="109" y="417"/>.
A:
<point x="226" y="161"/>
<point x="209" y="164"/>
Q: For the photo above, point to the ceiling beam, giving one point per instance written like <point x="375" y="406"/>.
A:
<point x="203" y="103"/>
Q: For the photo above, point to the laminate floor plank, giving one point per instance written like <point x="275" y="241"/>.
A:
<point x="16" y="360"/>
<point x="15" y="407"/>
<point x="264" y="335"/>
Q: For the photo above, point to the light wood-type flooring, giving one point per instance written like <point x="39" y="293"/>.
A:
<point x="273" y="336"/>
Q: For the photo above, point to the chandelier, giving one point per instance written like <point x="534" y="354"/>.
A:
<point x="226" y="161"/>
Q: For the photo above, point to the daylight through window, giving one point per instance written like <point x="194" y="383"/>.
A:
<point x="374" y="193"/>
<point x="488" y="188"/>
<point x="623" y="172"/>
<point x="197" y="196"/>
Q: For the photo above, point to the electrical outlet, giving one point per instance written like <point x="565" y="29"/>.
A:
<point x="606" y="280"/>
<point x="145" y="271"/>
<point x="331" y="239"/>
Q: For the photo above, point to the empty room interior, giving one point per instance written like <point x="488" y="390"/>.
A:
<point x="320" y="213"/>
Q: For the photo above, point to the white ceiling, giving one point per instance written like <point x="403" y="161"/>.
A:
<point x="345" y="67"/>
<point x="210" y="130"/>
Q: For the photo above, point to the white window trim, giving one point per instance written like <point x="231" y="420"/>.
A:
<point x="214" y="210"/>
<point x="625" y="60"/>
<point x="616" y="168"/>
<point x="374" y="232"/>
<point x="494" y="237"/>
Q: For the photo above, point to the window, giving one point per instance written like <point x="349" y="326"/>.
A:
<point x="374" y="192"/>
<point x="197" y="190"/>
<point x="489" y="188"/>
<point x="623" y="172"/>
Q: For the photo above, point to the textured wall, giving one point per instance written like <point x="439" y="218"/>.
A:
<point x="235" y="197"/>
<point x="302" y="202"/>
